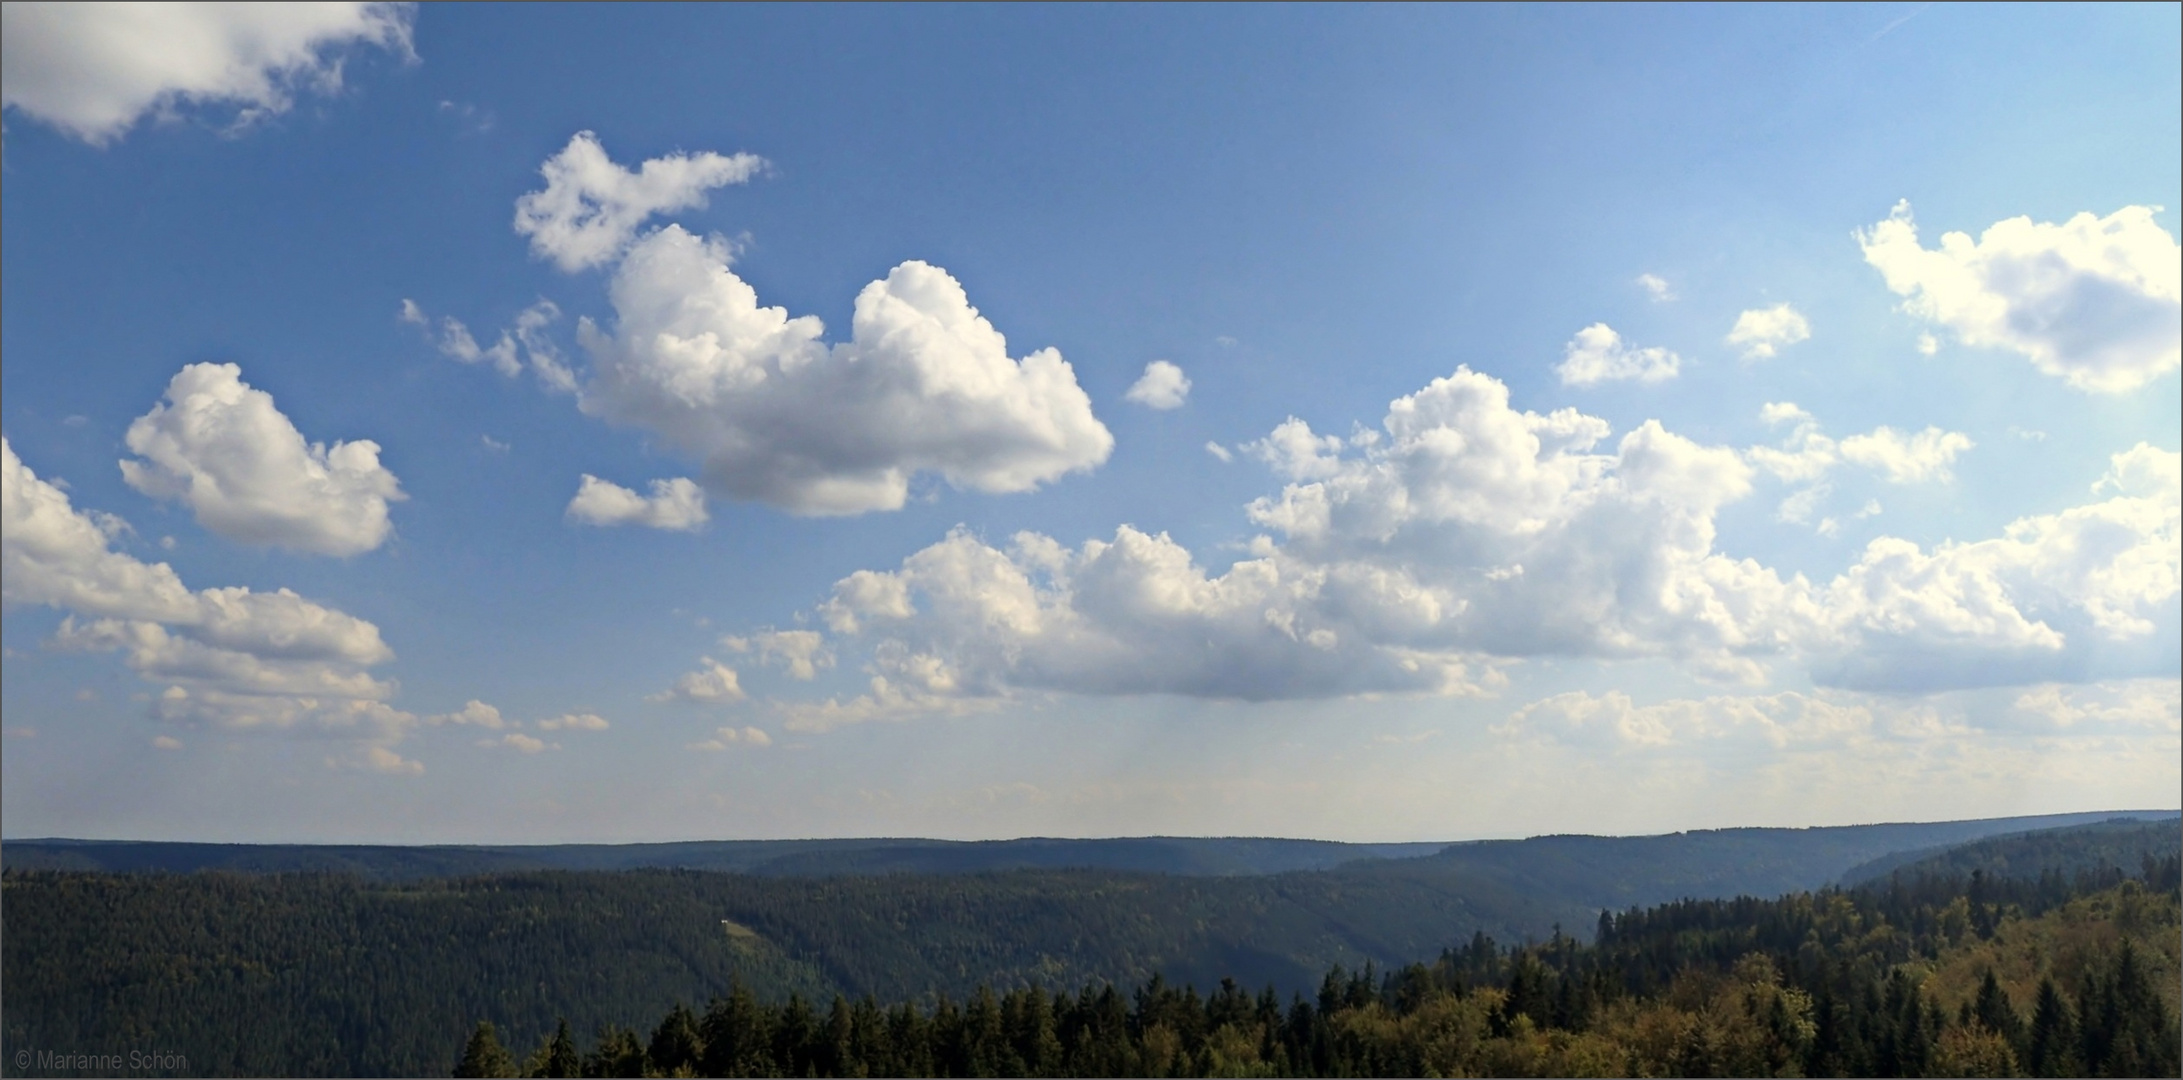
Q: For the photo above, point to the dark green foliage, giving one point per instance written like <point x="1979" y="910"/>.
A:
<point x="483" y="1055"/>
<point x="1589" y="871"/>
<point x="1832" y="1006"/>
<point x="1018" y="972"/>
<point x="556" y="1057"/>
<point x="2053" y="1041"/>
<point x="1197" y="856"/>
<point x="2124" y="844"/>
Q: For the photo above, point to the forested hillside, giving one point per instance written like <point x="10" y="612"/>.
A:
<point x="1197" y="856"/>
<point x="1622" y="870"/>
<point x="2120" y="842"/>
<point x="323" y="973"/>
<point x="1923" y="976"/>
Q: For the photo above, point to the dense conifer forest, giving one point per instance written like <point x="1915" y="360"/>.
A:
<point x="1917" y="976"/>
<point x="2036" y="954"/>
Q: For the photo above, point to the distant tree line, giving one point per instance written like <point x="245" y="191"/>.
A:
<point x="1896" y="978"/>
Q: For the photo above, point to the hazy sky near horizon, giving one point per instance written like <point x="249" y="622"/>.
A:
<point x="561" y="423"/>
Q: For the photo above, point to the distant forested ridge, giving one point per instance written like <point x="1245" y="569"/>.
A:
<point x="1919" y="976"/>
<point x="328" y="974"/>
<point x="1722" y="862"/>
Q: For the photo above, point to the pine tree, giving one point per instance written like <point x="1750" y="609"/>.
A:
<point x="483" y="1055"/>
<point x="674" y="1042"/>
<point x="556" y="1057"/>
<point x="1994" y="1011"/>
<point x="735" y="1037"/>
<point x="2052" y="1044"/>
<point x="617" y="1054"/>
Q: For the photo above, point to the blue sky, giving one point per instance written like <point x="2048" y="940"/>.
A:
<point x="1366" y="423"/>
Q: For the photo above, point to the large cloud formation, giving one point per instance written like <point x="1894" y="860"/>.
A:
<point x="225" y="450"/>
<point x="2096" y="301"/>
<point x="229" y="657"/>
<point x="93" y="70"/>
<point x="1464" y="533"/>
<point x="774" y="414"/>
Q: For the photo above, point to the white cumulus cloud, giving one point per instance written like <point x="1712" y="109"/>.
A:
<point x="592" y="208"/>
<point x="1464" y="533"/>
<point x="93" y="70"/>
<point x="1763" y="332"/>
<point x="2089" y="591"/>
<point x="1907" y="459"/>
<point x="674" y="504"/>
<point x="474" y="713"/>
<point x="925" y="384"/>
<point x="802" y="653"/>
<point x="527" y="340"/>
<point x="712" y="683"/>
<point x="734" y="736"/>
<point x="520" y="743"/>
<point x="1597" y="354"/>
<point x="2095" y="301"/>
<point x="1808" y="453"/>
<point x="224" y="449"/>
<point x="574" y="722"/>
<point x="229" y="657"/>
<point x="1656" y="287"/>
<point x="1162" y="386"/>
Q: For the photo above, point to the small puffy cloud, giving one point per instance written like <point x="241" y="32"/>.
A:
<point x="1656" y="287"/>
<point x="1597" y="354"/>
<point x="677" y="504"/>
<point x="574" y="722"/>
<point x="520" y="743"/>
<point x="2095" y="301"/>
<point x="1220" y="452"/>
<point x="223" y="448"/>
<point x="925" y="384"/>
<point x="1784" y="412"/>
<point x="1798" y="507"/>
<point x="1907" y="459"/>
<point x="1613" y="719"/>
<point x="2143" y="471"/>
<point x="1162" y="386"/>
<point x="228" y="657"/>
<point x="712" y="683"/>
<point x="526" y="341"/>
<point x="733" y="736"/>
<point x="591" y="208"/>
<point x="475" y="714"/>
<point x="1809" y="454"/>
<point x="1763" y="332"/>
<point x="800" y="652"/>
<point x="93" y="70"/>
<point x="381" y="760"/>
